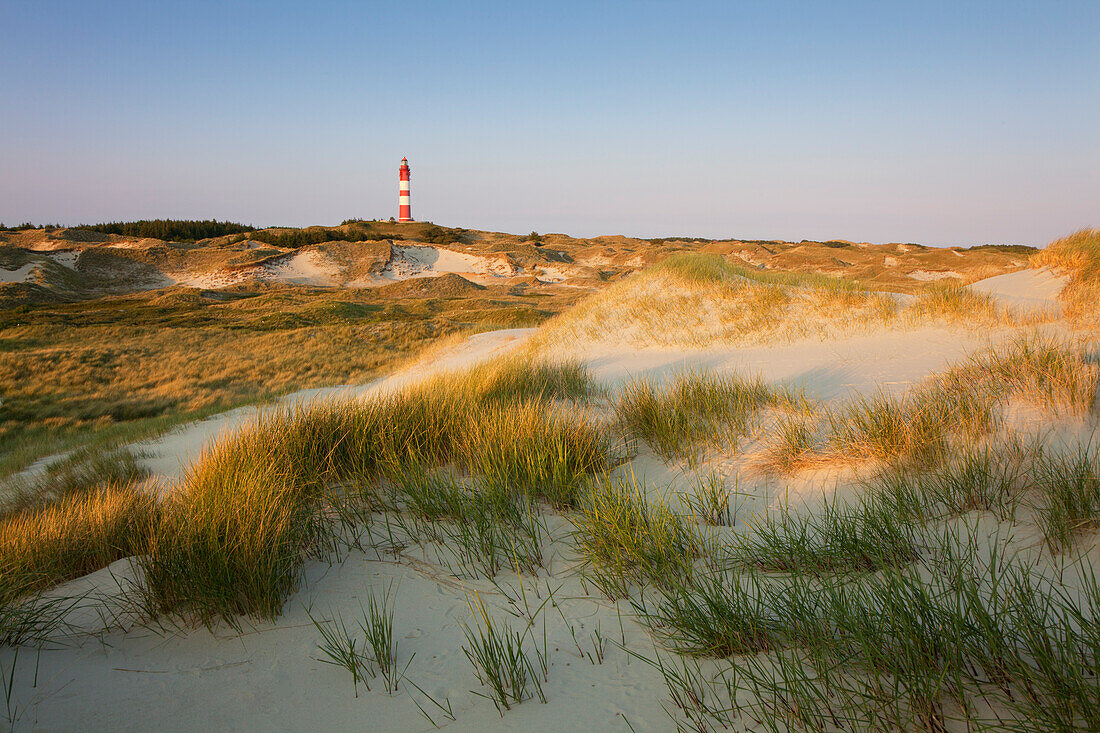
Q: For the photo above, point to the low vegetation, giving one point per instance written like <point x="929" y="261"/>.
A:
<point x="696" y="409"/>
<point x="960" y="406"/>
<point x="987" y="643"/>
<point x="235" y="534"/>
<point x="629" y="540"/>
<point x="72" y="536"/>
<point x="1079" y="256"/>
<point x="500" y="661"/>
<point x="886" y="610"/>
<point x="694" y="300"/>
<point x="118" y="369"/>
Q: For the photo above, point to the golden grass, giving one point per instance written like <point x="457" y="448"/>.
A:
<point x="236" y="532"/>
<point x="964" y="403"/>
<point x="1079" y="256"/>
<point x="73" y="536"/>
<point x="1053" y="374"/>
<point x="696" y="409"/>
<point x="118" y="368"/>
<point x="694" y="301"/>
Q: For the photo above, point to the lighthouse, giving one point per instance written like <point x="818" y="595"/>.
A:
<point x="404" y="212"/>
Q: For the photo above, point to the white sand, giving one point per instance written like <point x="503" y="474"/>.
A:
<point x="22" y="274"/>
<point x="410" y="261"/>
<point x="933" y="275"/>
<point x="1035" y="290"/>
<point x="305" y="268"/>
<point x="828" y="370"/>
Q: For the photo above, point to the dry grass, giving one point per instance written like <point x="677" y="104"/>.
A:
<point x="695" y="300"/>
<point x="954" y="303"/>
<point x="1056" y="375"/>
<point x="962" y="405"/>
<point x="235" y="534"/>
<point x="80" y="471"/>
<point x="695" y="409"/>
<point x="915" y="427"/>
<point x="1079" y="256"/>
<point x="73" y="536"/>
<point x="120" y="368"/>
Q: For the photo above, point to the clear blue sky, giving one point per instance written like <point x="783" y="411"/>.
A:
<point x="943" y="123"/>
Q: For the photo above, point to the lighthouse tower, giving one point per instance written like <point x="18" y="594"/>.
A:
<point x="404" y="207"/>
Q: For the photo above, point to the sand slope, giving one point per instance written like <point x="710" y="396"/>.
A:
<point x="1035" y="290"/>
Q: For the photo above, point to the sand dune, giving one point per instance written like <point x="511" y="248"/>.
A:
<point x="1027" y="289"/>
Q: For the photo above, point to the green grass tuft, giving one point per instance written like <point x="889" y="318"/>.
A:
<point x="626" y="539"/>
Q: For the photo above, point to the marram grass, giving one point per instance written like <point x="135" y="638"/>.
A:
<point x="72" y="536"/>
<point x="696" y="409"/>
<point x="627" y="540"/>
<point x="235" y="535"/>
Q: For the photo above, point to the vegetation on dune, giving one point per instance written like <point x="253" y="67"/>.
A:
<point x="629" y="540"/>
<point x="963" y="404"/>
<point x="234" y="536"/>
<point x="987" y="643"/>
<point x="1038" y="369"/>
<point x="886" y="615"/>
<point x="72" y="536"/>
<point x="889" y="611"/>
<point x="1079" y="256"/>
<point x="695" y="300"/>
<point x="78" y="515"/>
<point x="696" y="409"/>
<point x="120" y="368"/>
<point x="954" y="302"/>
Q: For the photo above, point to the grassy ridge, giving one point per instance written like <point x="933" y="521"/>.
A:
<point x="697" y="300"/>
<point x="1079" y="256"/>
<point x="964" y="403"/>
<point x="72" y="536"/>
<point x="251" y="510"/>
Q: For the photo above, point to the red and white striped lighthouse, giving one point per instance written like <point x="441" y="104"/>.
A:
<point x="404" y="207"/>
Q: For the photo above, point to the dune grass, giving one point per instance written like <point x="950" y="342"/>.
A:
<point x="916" y="427"/>
<point x="235" y="534"/>
<point x="1039" y="369"/>
<point x="696" y="409"/>
<point x="500" y="661"/>
<point x="959" y="407"/>
<point x="869" y="535"/>
<point x="80" y="514"/>
<point x="81" y="470"/>
<point x="695" y="300"/>
<point x="481" y="527"/>
<point x="1068" y="487"/>
<point x="1079" y="256"/>
<point x="626" y="540"/>
<point x="984" y="642"/>
<point x="943" y="301"/>
<point x="72" y="536"/>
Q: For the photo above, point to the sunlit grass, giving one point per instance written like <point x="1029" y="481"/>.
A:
<point x="696" y="409"/>
<point x="628" y="540"/>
